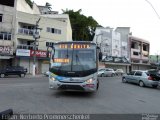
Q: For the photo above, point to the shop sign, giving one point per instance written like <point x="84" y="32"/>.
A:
<point x="38" y="53"/>
<point x="22" y="52"/>
<point x="6" y="50"/>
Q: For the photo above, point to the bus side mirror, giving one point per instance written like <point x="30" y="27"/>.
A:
<point x="100" y="56"/>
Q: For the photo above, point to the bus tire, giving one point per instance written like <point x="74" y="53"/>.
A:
<point x="97" y="85"/>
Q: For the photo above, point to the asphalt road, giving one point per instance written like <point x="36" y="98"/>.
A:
<point x="32" y="95"/>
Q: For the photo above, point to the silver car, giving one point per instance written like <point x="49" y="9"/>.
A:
<point x="119" y="72"/>
<point x="142" y="78"/>
<point x="106" y="72"/>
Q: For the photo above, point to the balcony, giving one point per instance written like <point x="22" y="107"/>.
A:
<point x="5" y="39"/>
<point x="145" y="55"/>
<point x="28" y="47"/>
<point x="25" y="33"/>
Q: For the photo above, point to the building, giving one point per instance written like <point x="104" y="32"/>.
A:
<point x="139" y="53"/>
<point x="55" y="28"/>
<point x="113" y="47"/>
<point x="109" y="41"/>
<point x="124" y="31"/>
<point x="7" y="25"/>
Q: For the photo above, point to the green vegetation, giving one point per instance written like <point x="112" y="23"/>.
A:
<point x="48" y="5"/>
<point x="30" y="3"/>
<point x="83" y="28"/>
<point x="153" y="58"/>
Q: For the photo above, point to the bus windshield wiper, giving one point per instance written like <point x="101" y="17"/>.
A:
<point x="77" y="59"/>
<point x="66" y="56"/>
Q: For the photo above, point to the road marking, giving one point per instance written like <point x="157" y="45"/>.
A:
<point x="141" y="100"/>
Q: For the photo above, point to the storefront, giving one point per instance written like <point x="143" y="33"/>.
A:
<point x="6" y="55"/>
<point x="25" y="58"/>
<point x="140" y="66"/>
<point x="116" y="63"/>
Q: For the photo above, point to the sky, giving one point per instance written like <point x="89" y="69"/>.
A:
<point x="137" y="14"/>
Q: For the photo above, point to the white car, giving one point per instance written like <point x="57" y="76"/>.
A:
<point x="119" y="72"/>
<point x="106" y="72"/>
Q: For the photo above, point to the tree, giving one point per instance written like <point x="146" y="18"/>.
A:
<point x="48" y="5"/>
<point x="30" y="3"/>
<point x="83" y="27"/>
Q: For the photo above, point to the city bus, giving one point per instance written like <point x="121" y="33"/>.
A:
<point x="74" y="66"/>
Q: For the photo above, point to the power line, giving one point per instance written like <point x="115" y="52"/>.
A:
<point x="153" y="8"/>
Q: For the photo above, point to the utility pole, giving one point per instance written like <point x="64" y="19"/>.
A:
<point x="36" y="35"/>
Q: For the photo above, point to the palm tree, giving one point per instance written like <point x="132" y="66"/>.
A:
<point x="48" y="5"/>
<point x="30" y="3"/>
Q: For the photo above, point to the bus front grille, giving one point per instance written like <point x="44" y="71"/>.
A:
<point x="71" y="87"/>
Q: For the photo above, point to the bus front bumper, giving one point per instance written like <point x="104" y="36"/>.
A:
<point x="56" y="85"/>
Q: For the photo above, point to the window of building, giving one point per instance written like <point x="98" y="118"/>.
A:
<point x="7" y="2"/>
<point x="135" y="53"/>
<point x="59" y="31"/>
<point x="53" y="30"/>
<point x="5" y="36"/>
<point x="132" y="45"/>
<point x="1" y="16"/>
<point x="48" y="29"/>
<point x="1" y="36"/>
<point x="144" y="47"/>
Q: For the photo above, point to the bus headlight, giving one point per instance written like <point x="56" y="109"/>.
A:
<point x="90" y="81"/>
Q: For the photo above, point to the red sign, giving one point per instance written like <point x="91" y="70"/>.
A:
<point x="38" y="53"/>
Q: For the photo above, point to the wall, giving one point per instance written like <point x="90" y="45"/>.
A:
<point x="65" y="19"/>
<point x="124" y="31"/>
<point x="24" y="7"/>
<point x="8" y="15"/>
<point x="116" y="44"/>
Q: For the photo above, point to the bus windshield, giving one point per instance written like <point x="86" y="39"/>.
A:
<point x="72" y="61"/>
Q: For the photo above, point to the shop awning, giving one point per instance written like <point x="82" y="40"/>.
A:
<point x="123" y="64"/>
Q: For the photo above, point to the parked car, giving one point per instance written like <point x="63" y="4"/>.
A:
<point x="47" y="73"/>
<point x="106" y="72"/>
<point x="13" y="70"/>
<point x="119" y="72"/>
<point x="142" y="78"/>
